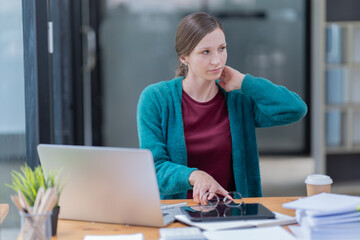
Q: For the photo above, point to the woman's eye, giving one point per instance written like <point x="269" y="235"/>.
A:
<point x="205" y="52"/>
<point x="222" y="48"/>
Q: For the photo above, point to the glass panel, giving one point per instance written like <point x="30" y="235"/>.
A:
<point x="12" y="107"/>
<point x="337" y="85"/>
<point x="336" y="40"/>
<point x="355" y="81"/>
<point x="356" y="45"/>
<point x="335" y="128"/>
<point x="137" y="43"/>
<point x="356" y="128"/>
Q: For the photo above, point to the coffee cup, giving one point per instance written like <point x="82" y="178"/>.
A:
<point x="318" y="183"/>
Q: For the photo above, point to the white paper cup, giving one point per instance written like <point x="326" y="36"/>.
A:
<point x="318" y="183"/>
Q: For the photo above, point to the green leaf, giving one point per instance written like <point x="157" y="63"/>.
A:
<point x="28" y="181"/>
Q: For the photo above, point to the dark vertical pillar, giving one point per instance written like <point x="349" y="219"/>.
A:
<point x="77" y="83"/>
<point x="308" y="70"/>
<point x="37" y="78"/>
<point x="96" y="86"/>
<point x="62" y="73"/>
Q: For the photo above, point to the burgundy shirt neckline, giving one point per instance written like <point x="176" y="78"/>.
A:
<point x="214" y="99"/>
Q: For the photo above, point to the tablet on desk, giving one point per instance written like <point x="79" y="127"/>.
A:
<point x="248" y="211"/>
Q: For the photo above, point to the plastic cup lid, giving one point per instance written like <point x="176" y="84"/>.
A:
<point x="318" y="179"/>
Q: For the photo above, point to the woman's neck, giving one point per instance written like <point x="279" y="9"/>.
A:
<point x="200" y="90"/>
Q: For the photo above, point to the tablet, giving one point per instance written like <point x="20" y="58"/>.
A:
<point x="221" y="212"/>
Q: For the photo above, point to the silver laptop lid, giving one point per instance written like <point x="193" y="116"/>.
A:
<point x="103" y="184"/>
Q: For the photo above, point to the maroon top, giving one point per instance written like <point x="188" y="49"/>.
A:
<point x="208" y="138"/>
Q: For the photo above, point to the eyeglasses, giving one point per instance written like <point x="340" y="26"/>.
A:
<point x="232" y="202"/>
<point x="212" y="200"/>
<point x="221" y="210"/>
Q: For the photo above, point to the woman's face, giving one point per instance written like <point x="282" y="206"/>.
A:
<point x="208" y="58"/>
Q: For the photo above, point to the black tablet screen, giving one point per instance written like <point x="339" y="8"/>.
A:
<point x="222" y="212"/>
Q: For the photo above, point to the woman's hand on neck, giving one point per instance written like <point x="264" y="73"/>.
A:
<point x="231" y="79"/>
<point x="201" y="90"/>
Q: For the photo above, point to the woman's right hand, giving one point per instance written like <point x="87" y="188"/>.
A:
<point x="203" y="183"/>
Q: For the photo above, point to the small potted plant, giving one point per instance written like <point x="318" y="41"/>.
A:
<point x="28" y="181"/>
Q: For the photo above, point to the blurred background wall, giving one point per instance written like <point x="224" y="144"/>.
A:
<point x="12" y="104"/>
<point x="266" y="39"/>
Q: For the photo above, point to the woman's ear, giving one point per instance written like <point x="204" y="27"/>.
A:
<point x="183" y="60"/>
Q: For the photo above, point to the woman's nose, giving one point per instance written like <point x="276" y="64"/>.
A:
<point x="215" y="60"/>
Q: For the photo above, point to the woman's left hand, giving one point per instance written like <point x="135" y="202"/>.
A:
<point x="231" y="79"/>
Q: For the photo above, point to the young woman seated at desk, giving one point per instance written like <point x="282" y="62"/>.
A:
<point x="200" y="126"/>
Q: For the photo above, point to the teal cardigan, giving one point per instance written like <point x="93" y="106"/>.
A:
<point x="259" y="103"/>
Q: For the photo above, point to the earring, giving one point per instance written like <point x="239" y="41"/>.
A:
<point x="185" y="63"/>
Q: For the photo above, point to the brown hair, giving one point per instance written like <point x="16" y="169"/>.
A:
<point x="190" y="31"/>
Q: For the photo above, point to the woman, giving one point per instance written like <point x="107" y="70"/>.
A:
<point x="200" y="126"/>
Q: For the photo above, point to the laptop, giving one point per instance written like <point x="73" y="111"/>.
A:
<point x="106" y="184"/>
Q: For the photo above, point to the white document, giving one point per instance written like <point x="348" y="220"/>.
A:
<point x="325" y="204"/>
<point x="268" y="233"/>
<point x="334" y="219"/>
<point x="280" y="219"/>
<point x="349" y="231"/>
<point x="297" y="232"/>
<point x="171" y="206"/>
<point x="137" y="236"/>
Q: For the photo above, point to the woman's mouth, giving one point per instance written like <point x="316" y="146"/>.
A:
<point x="216" y="70"/>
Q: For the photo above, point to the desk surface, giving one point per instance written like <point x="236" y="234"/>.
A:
<point x="4" y="210"/>
<point x="78" y="229"/>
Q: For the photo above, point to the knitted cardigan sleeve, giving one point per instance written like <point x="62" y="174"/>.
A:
<point x="152" y="131"/>
<point x="273" y="105"/>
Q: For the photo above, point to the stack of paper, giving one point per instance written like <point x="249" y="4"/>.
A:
<point x="280" y="219"/>
<point x="328" y="216"/>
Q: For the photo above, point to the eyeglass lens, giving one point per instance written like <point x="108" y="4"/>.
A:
<point x="212" y="199"/>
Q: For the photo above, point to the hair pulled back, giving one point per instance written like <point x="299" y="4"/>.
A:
<point x="190" y="31"/>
